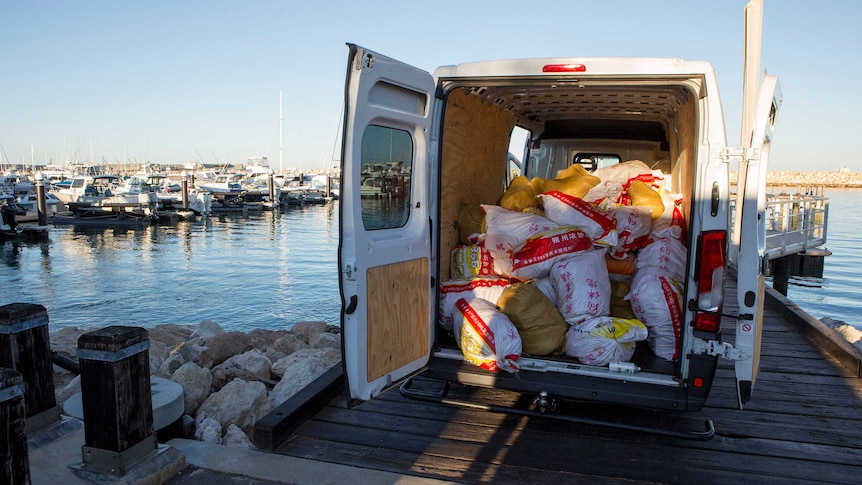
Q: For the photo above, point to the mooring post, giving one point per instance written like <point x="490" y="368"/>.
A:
<point x="14" y="458"/>
<point x="270" y="186"/>
<point x="185" y="178"/>
<point x="25" y="347"/>
<point x="781" y="274"/>
<point x="41" y="203"/>
<point x="116" y="398"/>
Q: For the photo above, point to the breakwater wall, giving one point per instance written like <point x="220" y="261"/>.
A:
<point x="791" y="180"/>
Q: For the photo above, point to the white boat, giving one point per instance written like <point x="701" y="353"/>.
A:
<point x="91" y="195"/>
<point x="28" y="202"/>
<point x="221" y="184"/>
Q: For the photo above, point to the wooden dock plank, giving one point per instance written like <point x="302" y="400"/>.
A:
<point x="801" y="426"/>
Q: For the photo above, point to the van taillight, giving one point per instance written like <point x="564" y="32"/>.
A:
<point x="564" y="68"/>
<point x="711" y="258"/>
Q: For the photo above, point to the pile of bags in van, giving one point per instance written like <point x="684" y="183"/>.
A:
<point x="584" y="264"/>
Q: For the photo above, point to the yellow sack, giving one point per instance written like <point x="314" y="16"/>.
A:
<point x="519" y="196"/>
<point x="643" y="195"/>
<point x="575" y="182"/>
<point x="471" y="220"/>
<point x="540" y="324"/>
<point x="620" y="307"/>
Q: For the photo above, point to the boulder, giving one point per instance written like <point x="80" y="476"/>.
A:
<point x="188" y="423"/>
<point x="248" y="366"/>
<point x="171" y="364"/>
<point x="157" y="352"/>
<point x="65" y="341"/>
<point x="221" y="347"/>
<point x="196" y="382"/>
<point x="325" y="340"/>
<point x="208" y="430"/>
<point x="191" y="350"/>
<point x="206" y="329"/>
<point x="169" y="334"/>
<point x="305" y="329"/>
<point x="298" y="370"/>
<point x="290" y="343"/>
<point x="238" y="402"/>
<point x="264" y="339"/>
<point x="236" y="438"/>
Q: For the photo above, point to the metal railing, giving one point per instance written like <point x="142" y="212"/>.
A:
<point x="794" y="222"/>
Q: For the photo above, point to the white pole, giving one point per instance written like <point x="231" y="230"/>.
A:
<point x="280" y="135"/>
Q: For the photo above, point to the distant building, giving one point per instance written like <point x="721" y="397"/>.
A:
<point x="844" y="170"/>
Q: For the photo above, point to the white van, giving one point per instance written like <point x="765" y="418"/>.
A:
<point x="449" y="134"/>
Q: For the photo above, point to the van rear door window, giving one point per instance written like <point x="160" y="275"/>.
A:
<point x="387" y="162"/>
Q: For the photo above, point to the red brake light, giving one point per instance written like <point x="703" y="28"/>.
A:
<point x="711" y="260"/>
<point x="564" y="68"/>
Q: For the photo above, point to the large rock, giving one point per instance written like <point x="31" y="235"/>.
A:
<point x="209" y="431"/>
<point x="238" y="402"/>
<point x="235" y="437"/>
<point x="196" y="382"/>
<point x="220" y="348"/>
<point x="171" y="364"/>
<point x="289" y="344"/>
<point x="306" y="329"/>
<point x="207" y="329"/>
<point x="65" y="341"/>
<point x="169" y="334"/>
<point x="248" y="366"/>
<point x="157" y="353"/>
<point x="298" y="370"/>
<point x="325" y="340"/>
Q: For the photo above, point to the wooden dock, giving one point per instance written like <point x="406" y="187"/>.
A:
<point x="801" y="426"/>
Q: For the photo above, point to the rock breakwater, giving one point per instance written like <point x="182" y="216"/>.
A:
<point x="230" y="379"/>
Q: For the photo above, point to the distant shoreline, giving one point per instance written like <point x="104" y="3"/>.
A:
<point x="800" y="180"/>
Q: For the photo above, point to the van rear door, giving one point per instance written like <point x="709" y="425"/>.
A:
<point x="752" y="246"/>
<point x="385" y="242"/>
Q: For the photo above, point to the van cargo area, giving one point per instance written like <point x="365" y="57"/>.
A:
<point x="651" y="120"/>
<point x="558" y="227"/>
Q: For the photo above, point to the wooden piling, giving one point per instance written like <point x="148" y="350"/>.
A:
<point x="25" y="347"/>
<point x="116" y="397"/>
<point x="14" y="457"/>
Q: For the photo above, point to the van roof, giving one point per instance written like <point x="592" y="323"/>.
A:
<point x="603" y="66"/>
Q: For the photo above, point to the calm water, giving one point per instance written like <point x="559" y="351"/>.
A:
<point x="840" y="297"/>
<point x="270" y="270"/>
<point x="263" y="270"/>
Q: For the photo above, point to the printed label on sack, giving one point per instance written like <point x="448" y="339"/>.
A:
<point x="549" y="246"/>
<point x="671" y="297"/>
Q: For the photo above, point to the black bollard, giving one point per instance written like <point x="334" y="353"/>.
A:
<point x="185" y="191"/>
<point x="25" y="347"/>
<point x="270" y="186"/>
<point x="14" y="458"/>
<point x="116" y="398"/>
<point x="41" y="203"/>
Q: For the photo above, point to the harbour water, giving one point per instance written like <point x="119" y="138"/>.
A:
<point x="272" y="269"/>
<point x="260" y="270"/>
<point x="839" y="294"/>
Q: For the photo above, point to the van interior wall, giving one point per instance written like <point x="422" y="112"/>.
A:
<point x="475" y="144"/>
<point x="682" y="136"/>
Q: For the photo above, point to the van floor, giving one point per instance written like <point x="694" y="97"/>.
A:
<point x="801" y="426"/>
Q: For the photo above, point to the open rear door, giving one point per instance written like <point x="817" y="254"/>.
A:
<point x="752" y="246"/>
<point x="385" y="256"/>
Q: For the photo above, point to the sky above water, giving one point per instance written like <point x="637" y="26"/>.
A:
<point x="175" y="82"/>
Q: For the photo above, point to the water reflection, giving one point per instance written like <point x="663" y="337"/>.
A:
<point x="260" y="270"/>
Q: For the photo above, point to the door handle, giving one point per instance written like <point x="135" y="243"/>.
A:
<point x="351" y="307"/>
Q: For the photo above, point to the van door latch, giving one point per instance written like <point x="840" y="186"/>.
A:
<point x="719" y="349"/>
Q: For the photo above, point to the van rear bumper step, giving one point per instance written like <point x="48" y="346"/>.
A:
<point x="543" y="404"/>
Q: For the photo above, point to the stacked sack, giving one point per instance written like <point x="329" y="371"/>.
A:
<point x="555" y="261"/>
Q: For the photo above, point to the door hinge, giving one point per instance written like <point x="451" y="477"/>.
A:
<point x="719" y="349"/>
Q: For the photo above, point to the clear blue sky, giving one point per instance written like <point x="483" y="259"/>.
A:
<point x="174" y="82"/>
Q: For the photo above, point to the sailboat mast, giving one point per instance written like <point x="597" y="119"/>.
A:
<point x="280" y="135"/>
